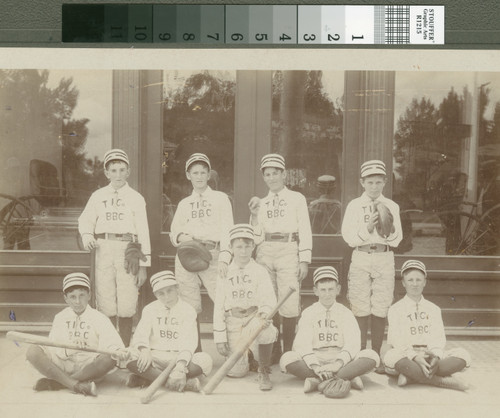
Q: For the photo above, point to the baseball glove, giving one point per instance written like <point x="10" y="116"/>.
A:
<point x="133" y="254"/>
<point x="335" y="387"/>
<point x="385" y="224"/>
<point x="194" y="256"/>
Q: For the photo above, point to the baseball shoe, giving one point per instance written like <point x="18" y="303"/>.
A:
<point x="193" y="385"/>
<point x="311" y="384"/>
<point x="264" y="379"/>
<point x="253" y="365"/>
<point x="86" y="388"/>
<point x="449" y="382"/>
<point x="47" y="384"/>
<point x="136" y="381"/>
<point x="402" y="380"/>
<point x="381" y="368"/>
<point x="357" y="383"/>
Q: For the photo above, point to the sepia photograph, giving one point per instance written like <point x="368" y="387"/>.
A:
<point x="249" y="232"/>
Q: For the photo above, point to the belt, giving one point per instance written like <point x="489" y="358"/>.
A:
<point x="210" y="245"/>
<point x="373" y="248"/>
<point x="240" y="312"/>
<point x="279" y="237"/>
<point x="420" y="346"/>
<point x="118" y="237"/>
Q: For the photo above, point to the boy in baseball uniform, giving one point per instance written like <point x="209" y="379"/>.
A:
<point x="245" y="294"/>
<point x="284" y="241"/>
<point x="416" y="337"/>
<point x="205" y="216"/>
<point x="371" y="274"/>
<point x="167" y="332"/>
<point x="81" y="325"/>
<point x="327" y="343"/>
<point x="114" y="217"/>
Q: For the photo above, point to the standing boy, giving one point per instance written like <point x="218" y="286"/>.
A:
<point x="283" y="234"/>
<point x="245" y="294"/>
<point x="371" y="274"/>
<point x="113" y="222"/>
<point x="417" y="339"/>
<point x="327" y="344"/>
<point x="167" y="332"/>
<point x="81" y="325"/>
<point x="205" y="216"/>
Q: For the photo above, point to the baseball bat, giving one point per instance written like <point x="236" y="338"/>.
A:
<point x="40" y="340"/>
<point x="241" y="349"/>
<point x="157" y="383"/>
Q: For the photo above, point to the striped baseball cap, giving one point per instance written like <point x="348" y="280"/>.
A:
<point x="241" y="231"/>
<point x="272" y="160"/>
<point x="325" y="272"/>
<point x="115" y="154"/>
<point x="372" y="167"/>
<point x="413" y="264"/>
<point x="76" y="279"/>
<point x="197" y="157"/>
<point x="162" y="279"/>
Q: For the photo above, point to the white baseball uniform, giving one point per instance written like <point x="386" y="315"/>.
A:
<point x="415" y="327"/>
<point x="371" y="274"/>
<point x="209" y="217"/>
<point x="90" y="329"/>
<point x="170" y="334"/>
<point x="284" y="213"/>
<point x="247" y="289"/>
<point x="121" y="211"/>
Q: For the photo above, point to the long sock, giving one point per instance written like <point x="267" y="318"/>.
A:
<point x="193" y="370"/>
<point x="378" y="329"/>
<point x="299" y="368"/>
<point x="40" y="361"/>
<point x="277" y="352"/>
<point x="150" y="374"/>
<point x="411" y="369"/>
<point x="98" y="368"/>
<point x="356" y="368"/>
<point x="265" y="353"/>
<point x="450" y="365"/>
<point x="113" y="320"/>
<point x="289" y="325"/>
<point x="363" y="327"/>
<point x="198" y="348"/>
<point x="125" y="326"/>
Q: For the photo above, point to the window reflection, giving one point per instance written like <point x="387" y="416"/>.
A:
<point x="54" y="132"/>
<point x="447" y="160"/>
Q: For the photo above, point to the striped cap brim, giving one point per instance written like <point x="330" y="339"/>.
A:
<point x="115" y="154"/>
<point x="413" y="264"/>
<point x="272" y="161"/>
<point x="197" y="158"/>
<point x="241" y="231"/>
<point x="372" y="167"/>
<point x="162" y="279"/>
<point x="325" y="272"/>
<point x="76" y="279"/>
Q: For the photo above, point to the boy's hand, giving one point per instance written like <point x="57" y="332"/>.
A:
<point x="121" y="354"/>
<point x="303" y="269"/>
<point x="184" y="238"/>
<point x="223" y="349"/>
<point x="89" y="242"/>
<point x="141" y="276"/>
<point x="254" y="205"/>
<point x="222" y="267"/>
<point x="177" y="379"/>
<point x="372" y="222"/>
<point x="267" y="322"/>
<point x="145" y="359"/>
<point x="422" y="362"/>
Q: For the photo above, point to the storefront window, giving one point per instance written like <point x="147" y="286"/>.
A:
<point x="55" y="127"/>
<point x="447" y="162"/>
<point x="307" y="130"/>
<point x="198" y="116"/>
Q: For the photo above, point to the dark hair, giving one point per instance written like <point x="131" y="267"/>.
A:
<point x="247" y="240"/>
<point x="326" y="279"/>
<point x="114" y="161"/>
<point x="203" y="163"/>
<point x="76" y="287"/>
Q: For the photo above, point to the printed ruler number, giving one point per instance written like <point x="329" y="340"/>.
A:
<point x="140" y="36"/>
<point x="285" y="37"/>
<point x="237" y="37"/>
<point x="188" y="36"/>
<point x="165" y="36"/>
<point x="309" y="37"/>
<point x="358" y="37"/>
<point x="216" y="36"/>
<point x="261" y="36"/>
<point x="335" y="37"/>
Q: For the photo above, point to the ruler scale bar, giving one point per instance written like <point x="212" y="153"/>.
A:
<point x="218" y="25"/>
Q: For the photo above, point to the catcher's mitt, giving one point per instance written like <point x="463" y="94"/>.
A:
<point x="194" y="256"/>
<point x="385" y="224"/>
<point x="133" y="254"/>
<point x="335" y="387"/>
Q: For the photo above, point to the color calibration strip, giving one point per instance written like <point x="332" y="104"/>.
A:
<point x="218" y="25"/>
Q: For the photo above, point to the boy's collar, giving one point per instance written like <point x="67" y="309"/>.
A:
<point x="197" y="193"/>
<point x="272" y="194"/>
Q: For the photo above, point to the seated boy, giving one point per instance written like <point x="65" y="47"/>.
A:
<point x="245" y="294"/>
<point x="167" y="332"/>
<point x="328" y="339"/>
<point x="417" y="339"/>
<point x="81" y="325"/>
